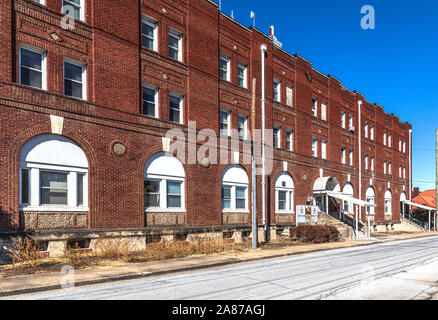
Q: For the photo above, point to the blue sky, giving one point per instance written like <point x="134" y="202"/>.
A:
<point x="394" y="65"/>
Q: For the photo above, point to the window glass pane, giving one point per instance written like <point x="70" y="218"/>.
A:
<point x="31" y="59"/>
<point x="72" y="89"/>
<point x="174" y="188"/>
<point x="282" y="200"/>
<point x="240" y="198"/>
<point x="173" y="194"/>
<point x="24" y="185"/>
<point x="31" y="77"/>
<point x="151" y="193"/>
<point x="80" y="189"/>
<point x="53" y="187"/>
<point x="226" y="197"/>
<point x="73" y="72"/>
<point x="148" y="101"/>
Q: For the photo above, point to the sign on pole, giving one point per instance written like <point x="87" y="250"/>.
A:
<point x="307" y="214"/>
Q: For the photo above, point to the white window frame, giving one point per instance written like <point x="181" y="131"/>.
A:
<point x="81" y="11"/>
<point x="43" y="2"/>
<point x="181" y="105"/>
<point x="243" y="66"/>
<point x="43" y="54"/>
<point x="82" y="65"/>
<point x="350" y="157"/>
<point x="314" y="106"/>
<point x="156" y="99"/>
<point x="324" y="149"/>
<point x="343" y="119"/>
<point x="179" y="35"/>
<point x="404" y="172"/>
<point x="343" y="155"/>
<point x="366" y="162"/>
<point x="154" y="24"/>
<point x="372" y="133"/>
<point x="226" y="58"/>
<point x="290" y="203"/>
<point x="389" y="140"/>
<point x="404" y="146"/>
<point x="324" y="111"/>
<point x="400" y="145"/>
<point x="276" y="88"/>
<point x="372" y="163"/>
<point x="390" y="167"/>
<point x="315" y="147"/>
<point x="350" y="121"/>
<point x="384" y="167"/>
<point x="233" y="200"/>
<point x="290" y="139"/>
<point x="388" y="205"/>
<point x="245" y="126"/>
<point x="289" y="95"/>
<point x="366" y="130"/>
<point x="278" y="129"/>
<point x="163" y="207"/>
<point x="384" y="138"/>
<point x="228" y="112"/>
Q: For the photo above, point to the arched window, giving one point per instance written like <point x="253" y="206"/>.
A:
<point x="284" y="193"/>
<point x="388" y="202"/>
<point x="370" y="198"/>
<point x="349" y="192"/>
<point x="164" y="183"/>
<point x="53" y="174"/>
<point x="235" y="189"/>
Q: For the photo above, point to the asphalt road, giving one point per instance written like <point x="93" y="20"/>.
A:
<point x="333" y="274"/>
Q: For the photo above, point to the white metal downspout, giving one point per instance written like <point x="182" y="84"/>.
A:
<point x="359" y="104"/>
<point x="263" y="51"/>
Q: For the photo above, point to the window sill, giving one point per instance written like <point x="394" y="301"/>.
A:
<point x="235" y="211"/>
<point x="162" y="210"/>
<point x="284" y="212"/>
<point x="55" y="209"/>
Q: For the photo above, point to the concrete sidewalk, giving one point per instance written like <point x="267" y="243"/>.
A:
<point x="51" y="281"/>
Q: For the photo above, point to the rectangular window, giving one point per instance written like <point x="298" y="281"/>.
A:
<point x="176" y="103"/>
<point x="149" y="33"/>
<point x="226" y="197"/>
<point x="400" y="145"/>
<point x="242" y="71"/>
<point x="225" y="67"/>
<point x="282" y="198"/>
<point x="350" y="158"/>
<point x="389" y="140"/>
<point x="372" y="164"/>
<point x="33" y="67"/>
<point x="324" y="149"/>
<point x="314" y="147"/>
<point x="390" y="168"/>
<point x="53" y="188"/>
<point x="366" y="162"/>
<point x="324" y="111"/>
<point x="277" y="90"/>
<point x="74" y="8"/>
<point x="175" y="44"/>
<point x="225" y="128"/>
<point x="384" y="138"/>
<point x="289" y="95"/>
<point x="372" y="132"/>
<point x="366" y="130"/>
<point x="400" y="172"/>
<point x="80" y="189"/>
<point x="404" y="146"/>
<point x="75" y="79"/>
<point x="150" y="100"/>
<point x="404" y="172"/>
<point x="343" y="120"/>
<point x="343" y="155"/>
<point x="289" y="140"/>
<point x="243" y="120"/>
<point x="25" y="186"/>
<point x="350" y="122"/>
<point x="314" y="107"/>
<point x="173" y="194"/>
<point x="152" y="193"/>
<point x="384" y="167"/>
<point x="240" y="198"/>
<point x="277" y="137"/>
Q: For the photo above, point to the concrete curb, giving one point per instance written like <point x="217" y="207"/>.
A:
<point x="231" y="261"/>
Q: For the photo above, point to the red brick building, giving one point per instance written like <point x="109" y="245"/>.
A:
<point x="84" y="109"/>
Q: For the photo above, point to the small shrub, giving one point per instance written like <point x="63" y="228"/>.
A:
<point x="118" y="249"/>
<point x="76" y="257"/>
<point x="315" y="233"/>
<point x="25" y="250"/>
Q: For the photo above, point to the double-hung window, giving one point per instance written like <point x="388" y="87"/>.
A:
<point x="350" y="158"/>
<point x="234" y="197"/>
<point x="372" y="164"/>
<point x="343" y="155"/>
<point x="314" y="147"/>
<point x="75" y="8"/>
<point x="389" y="140"/>
<point x="384" y="167"/>
<point x="404" y="146"/>
<point x="324" y="149"/>
<point x="366" y="130"/>
<point x="277" y="90"/>
<point x="289" y="140"/>
<point x="289" y="95"/>
<point x="384" y="138"/>
<point x="242" y="75"/>
<point x="343" y="119"/>
<point x="314" y="107"/>
<point x="390" y="168"/>
<point x="32" y="63"/>
<point x="243" y="127"/>
<point x="225" y="127"/>
<point x="225" y="62"/>
<point x="366" y="162"/>
<point x="150" y="100"/>
<point x="75" y="79"/>
<point x="324" y="111"/>
<point x="277" y="137"/>
<point x="175" y="44"/>
<point x="176" y="107"/>
<point x="149" y="33"/>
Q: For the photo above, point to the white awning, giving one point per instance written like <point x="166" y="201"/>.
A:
<point x="419" y="205"/>
<point x="344" y="197"/>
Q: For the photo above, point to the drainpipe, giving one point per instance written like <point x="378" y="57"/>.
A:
<point x="410" y="171"/>
<point x="263" y="51"/>
<point x="359" y="105"/>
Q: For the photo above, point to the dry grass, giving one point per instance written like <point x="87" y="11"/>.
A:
<point x="25" y="251"/>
